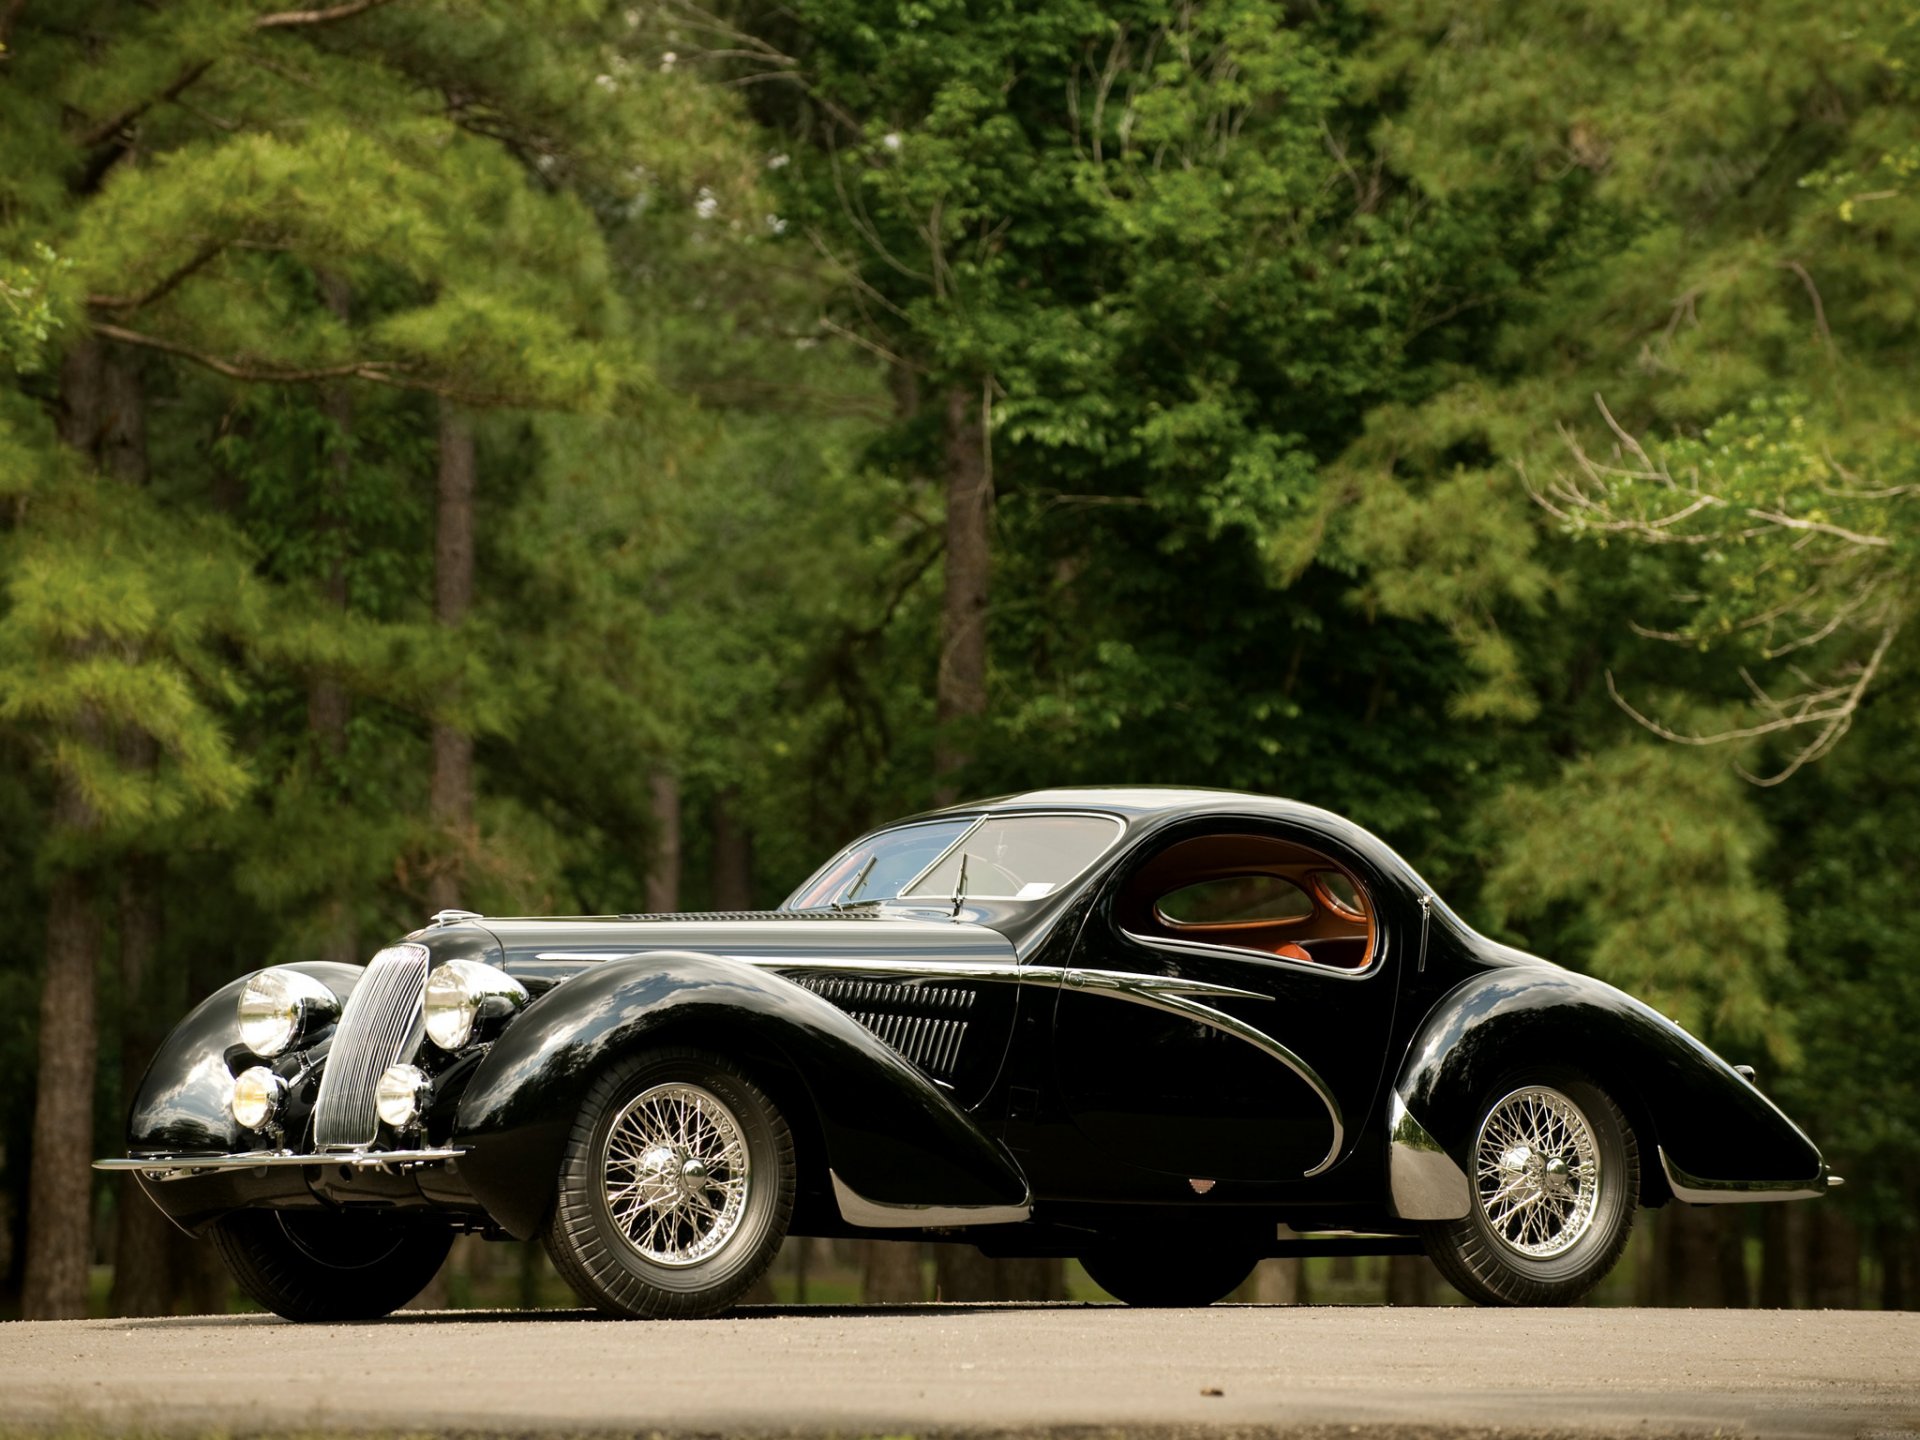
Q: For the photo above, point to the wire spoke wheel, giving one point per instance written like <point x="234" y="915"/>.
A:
<point x="1538" y="1172"/>
<point x="675" y="1188"/>
<point x="1553" y="1174"/>
<point x="676" y="1174"/>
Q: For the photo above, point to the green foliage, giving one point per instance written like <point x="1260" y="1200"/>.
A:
<point x="29" y="313"/>
<point x="1658" y="860"/>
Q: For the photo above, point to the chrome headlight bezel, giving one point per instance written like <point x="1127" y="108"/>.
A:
<point x="279" y="1007"/>
<point x="257" y="1098"/>
<point x="401" y="1094"/>
<point x="462" y="995"/>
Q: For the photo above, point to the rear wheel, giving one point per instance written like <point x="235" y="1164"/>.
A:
<point x="675" y="1189"/>
<point x="318" y="1266"/>
<point x="1144" y="1276"/>
<point x="1555" y="1174"/>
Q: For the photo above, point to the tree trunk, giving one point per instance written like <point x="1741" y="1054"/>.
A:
<point x="1692" y="1259"/>
<point x="60" y="1180"/>
<point x="450" y="796"/>
<point x="1730" y="1227"/>
<point x="732" y="855"/>
<point x="960" y="691"/>
<point x="1409" y="1280"/>
<point x="961" y="1272"/>
<point x="328" y="708"/>
<point x="1833" y="1260"/>
<point x="663" y="869"/>
<point x="890" y="1273"/>
<point x="1781" y="1248"/>
<point x="143" y="1237"/>
<point x="60" y="1183"/>
<point x="1276" y="1282"/>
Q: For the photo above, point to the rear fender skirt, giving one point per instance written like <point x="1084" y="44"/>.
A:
<point x="1706" y="1118"/>
<point x="889" y="1134"/>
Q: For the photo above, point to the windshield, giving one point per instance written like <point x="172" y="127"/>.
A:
<point x="1006" y="857"/>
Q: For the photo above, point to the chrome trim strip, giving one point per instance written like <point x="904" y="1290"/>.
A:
<point x="1159" y="992"/>
<point x="856" y="1209"/>
<point x="1423" y="1183"/>
<point x="179" y="1167"/>
<point x="1696" y="1191"/>
<point x="1265" y="957"/>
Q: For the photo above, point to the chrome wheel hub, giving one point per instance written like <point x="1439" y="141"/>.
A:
<point x="1538" y="1180"/>
<point x="676" y="1173"/>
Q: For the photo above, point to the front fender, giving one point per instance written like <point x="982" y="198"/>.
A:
<point x="887" y="1131"/>
<point x="1708" y="1119"/>
<point x="181" y="1106"/>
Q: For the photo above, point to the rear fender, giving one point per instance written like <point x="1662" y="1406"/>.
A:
<point x="887" y="1131"/>
<point x="1694" y="1114"/>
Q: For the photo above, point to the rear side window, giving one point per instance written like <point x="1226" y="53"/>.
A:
<point x="1235" y="900"/>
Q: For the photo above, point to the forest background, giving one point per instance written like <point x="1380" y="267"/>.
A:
<point x="551" y="456"/>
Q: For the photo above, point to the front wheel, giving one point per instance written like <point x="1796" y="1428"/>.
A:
<point x="319" y="1267"/>
<point x="1144" y="1276"/>
<point x="675" y="1189"/>
<point x="1556" y="1177"/>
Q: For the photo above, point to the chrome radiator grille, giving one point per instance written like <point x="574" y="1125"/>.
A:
<point x="379" y="1026"/>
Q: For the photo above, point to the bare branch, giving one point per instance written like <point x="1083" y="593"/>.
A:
<point x="166" y="286"/>
<point x="1828" y="710"/>
<point x="289" y="19"/>
<point x="378" y="372"/>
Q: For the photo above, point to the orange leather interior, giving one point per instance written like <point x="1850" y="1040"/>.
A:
<point x="1332" y="935"/>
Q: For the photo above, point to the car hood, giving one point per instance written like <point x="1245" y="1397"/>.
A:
<point x="550" y="949"/>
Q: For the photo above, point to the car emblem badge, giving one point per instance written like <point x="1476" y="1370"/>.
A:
<point x="1201" y="1187"/>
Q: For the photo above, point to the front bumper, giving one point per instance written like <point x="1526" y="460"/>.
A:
<point x="194" y="1190"/>
<point x="179" y="1167"/>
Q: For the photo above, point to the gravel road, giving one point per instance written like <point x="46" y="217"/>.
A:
<point x="1093" y="1370"/>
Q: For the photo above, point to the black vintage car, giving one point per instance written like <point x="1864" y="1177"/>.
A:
<point x="1168" y="1032"/>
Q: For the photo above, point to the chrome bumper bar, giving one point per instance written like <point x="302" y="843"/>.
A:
<point x="179" y="1167"/>
<point x="1696" y="1191"/>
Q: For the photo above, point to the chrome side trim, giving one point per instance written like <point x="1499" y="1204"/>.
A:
<point x="179" y="1167"/>
<point x="856" y="1209"/>
<point x="1265" y="957"/>
<point x="1158" y="992"/>
<point x="1696" y="1191"/>
<point x="1174" y="996"/>
<point x="1423" y="1181"/>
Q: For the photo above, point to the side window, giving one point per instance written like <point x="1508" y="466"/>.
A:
<point x="1339" y="895"/>
<point x="1235" y="900"/>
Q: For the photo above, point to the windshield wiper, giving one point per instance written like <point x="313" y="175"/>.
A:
<point x="960" y="884"/>
<point x="846" y="895"/>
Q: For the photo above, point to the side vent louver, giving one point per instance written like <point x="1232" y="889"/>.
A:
<point x="925" y="1023"/>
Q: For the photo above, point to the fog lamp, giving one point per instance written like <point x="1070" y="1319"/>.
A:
<point x="257" y="1094"/>
<point x="401" y="1095"/>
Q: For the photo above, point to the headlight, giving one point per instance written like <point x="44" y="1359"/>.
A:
<point x="279" y="1006"/>
<point x="257" y="1094"/>
<point x="461" y="993"/>
<point x="401" y="1095"/>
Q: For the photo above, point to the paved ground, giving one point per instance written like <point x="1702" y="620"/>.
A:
<point x="950" y="1368"/>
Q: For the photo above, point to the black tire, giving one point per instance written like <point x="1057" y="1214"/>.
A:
<point x="622" y="1268"/>
<point x="319" y="1267"/>
<point x="1496" y="1263"/>
<point x="1147" y="1277"/>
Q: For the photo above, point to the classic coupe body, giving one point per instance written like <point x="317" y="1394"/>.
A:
<point x="1070" y="1022"/>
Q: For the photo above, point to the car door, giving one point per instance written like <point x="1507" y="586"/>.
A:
<point x="1215" y="1051"/>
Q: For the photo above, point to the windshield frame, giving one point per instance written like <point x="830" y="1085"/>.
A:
<point x="974" y="822"/>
